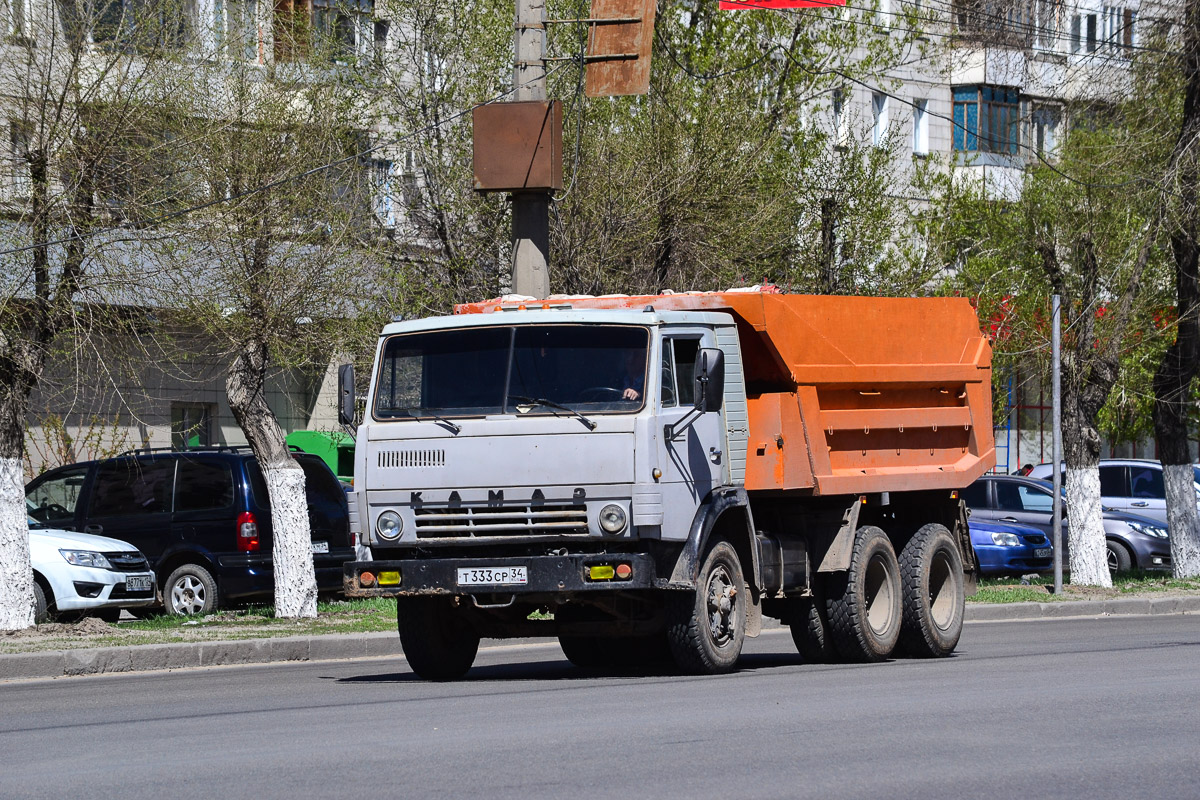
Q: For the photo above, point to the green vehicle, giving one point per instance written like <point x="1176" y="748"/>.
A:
<point x="335" y="448"/>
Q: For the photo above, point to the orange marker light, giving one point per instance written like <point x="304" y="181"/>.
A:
<point x="366" y="578"/>
<point x="624" y="571"/>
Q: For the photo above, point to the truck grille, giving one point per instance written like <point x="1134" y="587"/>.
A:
<point x="409" y="459"/>
<point x="433" y="523"/>
<point x="128" y="562"/>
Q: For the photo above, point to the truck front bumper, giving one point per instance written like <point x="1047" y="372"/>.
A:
<point x="544" y="575"/>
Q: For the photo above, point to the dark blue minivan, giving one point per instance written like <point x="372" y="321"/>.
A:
<point x="201" y="516"/>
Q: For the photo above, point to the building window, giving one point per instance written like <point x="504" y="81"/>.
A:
<point x="237" y="28"/>
<point x="1043" y="133"/>
<point x="1117" y="27"/>
<point x="840" y="123"/>
<point x="986" y="119"/>
<point x="191" y="425"/>
<point x="1090" y="19"/>
<point x="1049" y="23"/>
<point x="334" y="30"/>
<point x="22" y="175"/>
<point x="879" y="118"/>
<point x="144" y="24"/>
<point x="921" y="127"/>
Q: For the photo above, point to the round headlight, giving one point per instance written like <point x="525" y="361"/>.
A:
<point x="612" y="518"/>
<point x="389" y="525"/>
<point x="1006" y="539"/>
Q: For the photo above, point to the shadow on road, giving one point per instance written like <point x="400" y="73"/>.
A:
<point x="560" y="669"/>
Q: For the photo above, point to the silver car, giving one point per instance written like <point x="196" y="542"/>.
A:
<point x="1132" y="485"/>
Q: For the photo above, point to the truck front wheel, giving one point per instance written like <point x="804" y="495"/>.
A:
<point x="706" y="628"/>
<point x="864" y="602"/>
<point x="437" y="641"/>
<point x="931" y="574"/>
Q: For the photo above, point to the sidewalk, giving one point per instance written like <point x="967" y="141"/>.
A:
<point x="137" y="658"/>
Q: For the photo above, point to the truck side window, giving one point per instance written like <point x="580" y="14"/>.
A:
<point x="668" y="374"/>
<point x="679" y="372"/>
<point x="685" y="369"/>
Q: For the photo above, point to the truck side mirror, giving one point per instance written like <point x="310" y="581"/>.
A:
<point x="710" y="379"/>
<point x="346" y="394"/>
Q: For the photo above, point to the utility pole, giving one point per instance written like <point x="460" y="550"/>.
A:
<point x="530" y="209"/>
<point x="1055" y="370"/>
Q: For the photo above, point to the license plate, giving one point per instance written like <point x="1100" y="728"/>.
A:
<point x="1043" y="552"/>
<point x="137" y="583"/>
<point x="320" y="547"/>
<point x="492" y="576"/>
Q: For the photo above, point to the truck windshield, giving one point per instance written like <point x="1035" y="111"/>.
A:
<point x="526" y="369"/>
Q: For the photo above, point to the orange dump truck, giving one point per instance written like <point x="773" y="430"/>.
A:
<point x="659" y="472"/>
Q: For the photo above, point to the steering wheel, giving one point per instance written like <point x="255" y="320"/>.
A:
<point x="47" y="509"/>
<point x="602" y="393"/>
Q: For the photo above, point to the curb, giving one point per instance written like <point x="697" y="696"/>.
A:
<point x="1131" y="606"/>
<point x="144" y="657"/>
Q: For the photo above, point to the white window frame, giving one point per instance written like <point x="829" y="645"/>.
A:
<point x="879" y="119"/>
<point x="920" y="143"/>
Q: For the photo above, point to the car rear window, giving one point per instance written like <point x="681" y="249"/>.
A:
<point x="132" y="486"/>
<point x="320" y="485"/>
<point x="202" y="485"/>
<point x="975" y="495"/>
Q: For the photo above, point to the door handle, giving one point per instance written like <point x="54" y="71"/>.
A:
<point x="1140" y="504"/>
<point x="93" y="529"/>
<point x="1008" y="519"/>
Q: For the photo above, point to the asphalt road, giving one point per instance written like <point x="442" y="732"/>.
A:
<point x="1093" y="708"/>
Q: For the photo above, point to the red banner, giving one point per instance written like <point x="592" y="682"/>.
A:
<point x="750" y="5"/>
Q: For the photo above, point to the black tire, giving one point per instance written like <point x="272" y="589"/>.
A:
<point x="190" y="590"/>
<point x="41" y="608"/>
<point x="931" y="582"/>
<point x="706" y="628"/>
<point x="437" y="641"/>
<point x="810" y="631"/>
<point x="583" y="651"/>
<point x="864" y="602"/>
<point x="1119" y="557"/>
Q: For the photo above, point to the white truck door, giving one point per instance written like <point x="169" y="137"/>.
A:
<point x="692" y="463"/>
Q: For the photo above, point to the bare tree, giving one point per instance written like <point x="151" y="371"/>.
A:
<point x="75" y="80"/>
<point x="268" y="270"/>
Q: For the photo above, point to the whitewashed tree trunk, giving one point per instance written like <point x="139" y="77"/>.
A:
<point x="295" y="578"/>
<point x="1183" y="521"/>
<point x="1089" y="554"/>
<point x="16" y="576"/>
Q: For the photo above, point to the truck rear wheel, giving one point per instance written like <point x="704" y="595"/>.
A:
<point x="931" y="578"/>
<point x="706" y="628"/>
<point x="437" y="641"/>
<point x="810" y="631"/>
<point x="864" y="603"/>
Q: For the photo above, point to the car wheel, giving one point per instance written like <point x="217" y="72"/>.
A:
<point x="1119" y="558"/>
<point x="41" y="609"/>
<point x="190" y="589"/>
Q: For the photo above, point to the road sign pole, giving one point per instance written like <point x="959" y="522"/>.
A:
<point x="1055" y="371"/>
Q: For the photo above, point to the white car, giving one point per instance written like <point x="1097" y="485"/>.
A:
<point x="94" y="575"/>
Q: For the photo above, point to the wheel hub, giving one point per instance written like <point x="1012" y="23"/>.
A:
<point x="720" y="599"/>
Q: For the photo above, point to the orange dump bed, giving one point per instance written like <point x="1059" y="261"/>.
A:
<point x="849" y="395"/>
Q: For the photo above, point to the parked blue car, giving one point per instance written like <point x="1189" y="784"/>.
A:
<point x="1005" y="548"/>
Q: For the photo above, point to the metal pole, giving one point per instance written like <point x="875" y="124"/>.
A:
<point x="1055" y="369"/>
<point x="531" y="210"/>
